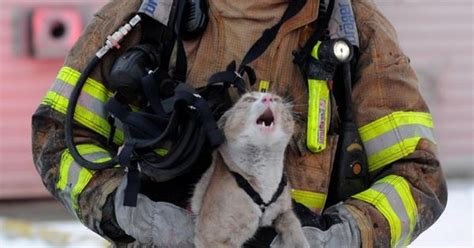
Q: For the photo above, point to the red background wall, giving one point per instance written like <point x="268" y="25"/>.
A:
<point x="436" y="34"/>
<point x="23" y="83"/>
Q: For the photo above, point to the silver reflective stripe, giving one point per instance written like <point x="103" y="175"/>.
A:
<point x="94" y="105"/>
<point x="392" y="196"/>
<point x="342" y="23"/>
<point x="65" y="197"/>
<point x="397" y="205"/>
<point x="85" y="100"/>
<point x="397" y="135"/>
<point x="73" y="178"/>
<point x="160" y="10"/>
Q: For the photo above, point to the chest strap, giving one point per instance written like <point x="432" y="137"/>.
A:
<point x="234" y="75"/>
<point x="245" y="185"/>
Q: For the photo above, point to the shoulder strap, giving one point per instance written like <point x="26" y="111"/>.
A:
<point x="270" y="34"/>
<point x="233" y="75"/>
<point x="321" y="26"/>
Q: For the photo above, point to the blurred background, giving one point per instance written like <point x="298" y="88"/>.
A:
<point x="35" y="36"/>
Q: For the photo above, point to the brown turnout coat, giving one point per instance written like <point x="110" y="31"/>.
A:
<point x="385" y="83"/>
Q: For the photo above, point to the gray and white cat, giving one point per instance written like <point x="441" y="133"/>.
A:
<point x="257" y="129"/>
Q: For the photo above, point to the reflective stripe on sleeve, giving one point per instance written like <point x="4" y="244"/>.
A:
<point x="392" y="197"/>
<point x="395" y="136"/>
<point x="311" y="200"/>
<point x="73" y="178"/>
<point x="90" y="110"/>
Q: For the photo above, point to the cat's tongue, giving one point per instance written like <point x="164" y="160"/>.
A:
<point x="266" y="121"/>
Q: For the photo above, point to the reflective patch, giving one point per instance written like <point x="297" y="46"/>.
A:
<point x="160" y="10"/>
<point x="395" y="136"/>
<point x="73" y="178"/>
<point x="318" y="115"/>
<point x="392" y="197"/>
<point x="90" y="110"/>
<point x="309" y="199"/>
<point x="342" y="23"/>
<point x="161" y="151"/>
<point x="91" y="87"/>
<point x="263" y="86"/>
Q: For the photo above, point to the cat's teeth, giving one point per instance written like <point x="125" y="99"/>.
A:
<point x="271" y="124"/>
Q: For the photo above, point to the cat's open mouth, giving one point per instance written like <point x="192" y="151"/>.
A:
<point x="266" y="120"/>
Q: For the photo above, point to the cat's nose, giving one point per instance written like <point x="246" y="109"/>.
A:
<point x="267" y="99"/>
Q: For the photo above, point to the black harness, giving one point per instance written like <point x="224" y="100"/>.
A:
<point x="245" y="185"/>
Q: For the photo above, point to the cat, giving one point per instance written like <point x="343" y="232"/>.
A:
<point x="258" y="129"/>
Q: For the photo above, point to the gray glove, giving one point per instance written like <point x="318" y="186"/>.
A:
<point x="154" y="224"/>
<point x="343" y="233"/>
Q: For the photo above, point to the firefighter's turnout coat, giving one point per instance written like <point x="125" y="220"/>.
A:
<point x="407" y="193"/>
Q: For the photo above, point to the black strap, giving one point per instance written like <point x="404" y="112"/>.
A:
<point x="152" y="93"/>
<point x="181" y="65"/>
<point x="234" y="76"/>
<point x="230" y="77"/>
<point x="189" y="96"/>
<point x="133" y="178"/>
<point x="269" y="35"/>
<point x="144" y="124"/>
<point x="321" y="27"/>
<point x="133" y="187"/>
<point x="245" y="185"/>
<point x="113" y="128"/>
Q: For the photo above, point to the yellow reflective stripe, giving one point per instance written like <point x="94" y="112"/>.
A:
<point x="395" y="136"/>
<point x="403" y="189"/>
<point x="82" y="115"/>
<point x="93" y="96"/>
<point x="381" y="203"/>
<point x="85" y="176"/>
<point x="161" y="151"/>
<point x="318" y="115"/>
<point x="66" y="161"/>
<point x="393" y="198"/>
<point x="91" y="87"/>
<point x="76" y="176"/>
<point x="315" y="51"/>
<point x="263" y="86"/>
<point x="309" y="199"/>
<point x="392" y="153"/>
<point x="392" y="121"/>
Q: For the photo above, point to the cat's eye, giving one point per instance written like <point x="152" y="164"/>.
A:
<point x="250" y="99"/>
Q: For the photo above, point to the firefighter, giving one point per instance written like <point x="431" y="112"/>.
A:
<point x="407" y="191"/>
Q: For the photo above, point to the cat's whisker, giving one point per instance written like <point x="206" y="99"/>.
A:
<point x="298" y="98"/>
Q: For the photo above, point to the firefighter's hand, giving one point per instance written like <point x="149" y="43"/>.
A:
<point x="157" y="224"/>
<point x="335" y="228"/>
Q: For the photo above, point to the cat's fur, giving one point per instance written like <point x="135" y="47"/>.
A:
<point x="227" y="216"/>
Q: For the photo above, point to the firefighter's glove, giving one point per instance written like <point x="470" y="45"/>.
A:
<point x="335" y="228"/>
<point x="157" y="224"/>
